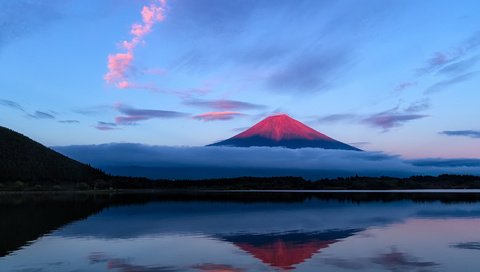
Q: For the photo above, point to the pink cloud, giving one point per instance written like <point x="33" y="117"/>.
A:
<point x="120" y="63"/>
<point x="124" y="84"/>
<point x="218" y="116"/>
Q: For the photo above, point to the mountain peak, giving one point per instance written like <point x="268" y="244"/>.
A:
<point x="283" y="130"/>
<point x="282" y="127"/>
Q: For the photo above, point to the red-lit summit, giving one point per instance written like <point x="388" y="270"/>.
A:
<point x="283" y="131"/>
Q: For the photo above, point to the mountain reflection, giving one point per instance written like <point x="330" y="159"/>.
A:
<point x="285" y="250"/>
<point x="235" y="232"/>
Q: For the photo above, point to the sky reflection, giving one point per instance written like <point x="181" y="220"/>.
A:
<point x="309" y="235"/>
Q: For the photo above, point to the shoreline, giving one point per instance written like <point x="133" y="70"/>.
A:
<point x="163" y="191"/>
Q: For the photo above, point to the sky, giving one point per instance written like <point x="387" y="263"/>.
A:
<point x="399" y="77"/>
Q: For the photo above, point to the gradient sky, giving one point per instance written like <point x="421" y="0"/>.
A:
<point x="395" y="76"/>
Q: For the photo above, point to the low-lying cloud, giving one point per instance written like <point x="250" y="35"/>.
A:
<point x="220" y="162"/>
<point x="444" y="163"/>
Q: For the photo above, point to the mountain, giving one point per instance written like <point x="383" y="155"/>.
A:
<point x="282" y="130"/>
<point x="284" y="251"/>
<point x="24" y="160"/>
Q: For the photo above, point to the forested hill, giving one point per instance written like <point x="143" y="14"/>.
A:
<point x="24" y="160"/>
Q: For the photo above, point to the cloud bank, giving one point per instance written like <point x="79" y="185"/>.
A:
<point x="221" y="162"/>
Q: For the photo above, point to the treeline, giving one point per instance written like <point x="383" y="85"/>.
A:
<point x="108" y="182"/>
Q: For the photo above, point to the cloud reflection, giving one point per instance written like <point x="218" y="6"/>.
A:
<point x="124" y="265"/>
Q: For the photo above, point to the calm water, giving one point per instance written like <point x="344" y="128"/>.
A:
<point x="240" y="232"/>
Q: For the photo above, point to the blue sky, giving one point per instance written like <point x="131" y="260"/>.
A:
<point x="400" y="77"/>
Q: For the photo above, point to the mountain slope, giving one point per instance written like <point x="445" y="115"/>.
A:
<point x="282" y="130"/>
<point x="22" y="159"/>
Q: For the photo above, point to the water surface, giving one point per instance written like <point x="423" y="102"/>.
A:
<point x="240" y="232"/>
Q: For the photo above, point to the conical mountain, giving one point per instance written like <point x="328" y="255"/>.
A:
<point x="282" y="130"/>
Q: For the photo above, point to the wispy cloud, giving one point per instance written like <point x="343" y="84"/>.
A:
<point x="124" y="265"/>
<point x="69" y="121"/>
<point x="94" y="110"/>
<point x="464" y="133"/>
<point x="441" y="59"/>
<point x="399" y="261"/>
<point x="391" y="118"/>
<point x="42" y="115"/>
<point x="223" y="104"/>
<point x="218" y="116"/>
<point x="460" y="66"/>
<point x="334" y="118"/>
<point x="119" y="64"/>
<point x="418" y="106"/>
<point x="133" y="115"/>
<point x="438" y="60"/>
<point x="106" y="126"/>
<point x="11" y="104"/>
<point x="309" y="73"/>
<point x="23" y="17"/>
<point x="467" y="245"/>
<point x="384" y="120"/>
<point x="457" y="59"/>
<point x="442" y="85"/>
<point x="405" y="85"/>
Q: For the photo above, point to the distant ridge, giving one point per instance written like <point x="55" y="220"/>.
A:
<point x="22" y="159"/>
<point x="282" y="130"/>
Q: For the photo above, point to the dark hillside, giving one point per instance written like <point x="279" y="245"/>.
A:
<point x="24" y="160"/>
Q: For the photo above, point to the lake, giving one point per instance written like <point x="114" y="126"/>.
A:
<point x="240" y="231"/>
